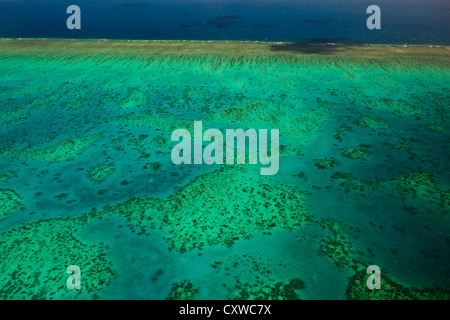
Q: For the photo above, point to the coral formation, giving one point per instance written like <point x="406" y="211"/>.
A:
<point x="326" y="163"/>
<point x="161" y="120"/>
<point x="437" y="128"/>
<point x="64" y="150"/>
<point x="372" y="122"/>
<point x="267" y="291"/>
<point x="445" y="199"/>
<point x="351" y="183"/>
<point x="396" y="106"/>
<point x="267" y="114"/>
<point x="35" y="257"/>
<point x="390" y="290"/>
<point x="359" y="152"/>
<point x="183" y="290"/>
<point x="415" y="183"/>
<point x="156" y="165"/>
<point x="406" y="144"/>
<point x="141" y="145"/>
<point x="245" y="204"/>
<point x="100" y="172"/>
<point x="418" y="183"/>
<point x="6" y="175"/>
<point x="337" y="246"/>
<point x="10" y="202"/>
<point x="160" y="141"/>
<point x="201" y="214"/>
<point x="138" y="211"/>
<point x="254" y="279"/>
<point x="338" y="250"/>
<point x="134" y="98"/>
<point x="311" y="98"/>
<point x="343" y="128"/>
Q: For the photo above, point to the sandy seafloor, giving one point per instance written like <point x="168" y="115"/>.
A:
<point x="86" y="176"/>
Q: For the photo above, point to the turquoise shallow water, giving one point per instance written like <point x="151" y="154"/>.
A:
<point x="86" y="176"/>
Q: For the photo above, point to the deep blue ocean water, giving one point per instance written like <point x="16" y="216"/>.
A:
<point x="404" y="21"/>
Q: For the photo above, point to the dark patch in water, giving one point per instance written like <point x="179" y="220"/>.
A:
<point x="130" y="5"/>
<point x="190" y="25"/>
<point x="222" y="21"/>
<point x="222" y="18"/>
<point x="258" y="26"/>
<point x="334" y="40"/>
<point x="398" y="229"/>
<point x="312" y="21"/>
<point x="158" y="273"/>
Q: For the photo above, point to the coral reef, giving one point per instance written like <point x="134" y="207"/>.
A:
<point x="189" y="98"/>
<point x="437" y="128"/>
<point x="245" y="204"/>
<point x="326" y="163"/>
<point x="64" y="150"/>
<point x="48" y="102"/>
<point x="343" y="128"/>
<point x="267" y="291"/>
<point x="342" y="175"/>
<point x="415" y="183"/>
<point x="338" y="250"/>
<point x="77" y="104"/>
<point x="337" y="246"/>
<point x="156" y="165"/>
<point x="445" y="199"/>
<point x="418" y="183"/>
<point x="390" y="290"/>
<point x="396" y="106"/>
<point x="135" y="98"/>
<point x="372" y="122"/>
<point x="351" y="183"/>
<point x="138" y="211"/>
<point x="359" y="152"/>
<point x="160" y="120"/>
<point x="141" y="144"/>
<point x="323" y="104"/>
<point x="267" y="114"/>
<point x="102" y="171"/>
<point x="257" y="114"/>
<point x="160" y="141"/>
<point x="10" y="202"/>
<point x="35" y="257"/>
<point x="254" y="279"/>
<point x="201" y="214"/>
<point x="6" y="175"/>
<point x="183" y="290"/>
<point x="406" y="144"/>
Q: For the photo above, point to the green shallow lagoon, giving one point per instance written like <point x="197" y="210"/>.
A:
<point x="86" y="176"/>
